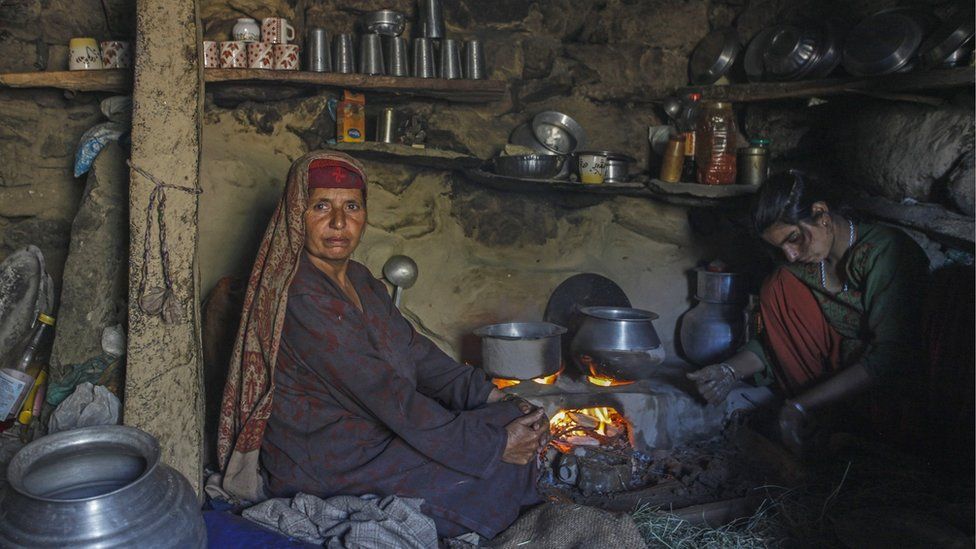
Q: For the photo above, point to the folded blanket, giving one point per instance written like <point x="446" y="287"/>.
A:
<point x="348" y="521"/>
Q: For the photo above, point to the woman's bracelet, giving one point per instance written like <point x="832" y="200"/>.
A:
<point x="727" y="368"/>
<point x="798" y="407"/>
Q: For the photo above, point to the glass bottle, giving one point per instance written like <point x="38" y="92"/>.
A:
<point x="715" y="146"/>
<point x="17" y="376"/>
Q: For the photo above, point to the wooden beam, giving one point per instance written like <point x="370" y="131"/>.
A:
<point x="890" y="83"/>
<point x="163" y="389"/>
<point x="461" y="90"/>
<point x="107" y="80"/>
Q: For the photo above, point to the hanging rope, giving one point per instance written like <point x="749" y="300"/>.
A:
<point x="158" y="301"/>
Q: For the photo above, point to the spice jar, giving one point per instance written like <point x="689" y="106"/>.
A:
<point x="674" y="159"/>
<point x="715" y="144"/>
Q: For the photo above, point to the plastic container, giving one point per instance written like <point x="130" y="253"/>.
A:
<point x="715" y="144"/>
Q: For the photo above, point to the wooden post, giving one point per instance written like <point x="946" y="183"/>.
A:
<point x="164" y="377"/>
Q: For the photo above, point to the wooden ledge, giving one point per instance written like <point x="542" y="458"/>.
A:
<point x="105" y="80"/>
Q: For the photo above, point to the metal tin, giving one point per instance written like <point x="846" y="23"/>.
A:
<point x="386" y="124"/>
<point x="103" y="486"/>
<point x="753" y="168"/>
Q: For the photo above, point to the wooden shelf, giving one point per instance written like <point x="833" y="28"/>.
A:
<point x="460" y="91"/>
<point x="405" y="154"/>
<point x="105" y="80"/>
<point x="680" y="194"/>
<point x="120" y="81"/>
<point x="872" y="85"/>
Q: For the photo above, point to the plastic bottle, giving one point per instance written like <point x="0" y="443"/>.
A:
<point x="715" y="146"/>
<point x="674" y="156"/>
<point x="17" y="376"/>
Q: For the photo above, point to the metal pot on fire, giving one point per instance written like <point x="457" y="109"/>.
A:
<point x="521" y="350"/>
<point x="103" y="486"/>
<point x="619" y="343"/>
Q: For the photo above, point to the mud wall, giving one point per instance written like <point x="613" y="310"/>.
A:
<point x="484" y="256"/>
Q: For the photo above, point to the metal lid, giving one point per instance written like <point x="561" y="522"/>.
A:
<point x="714" y="56"/>
<point x="881" y="44"/>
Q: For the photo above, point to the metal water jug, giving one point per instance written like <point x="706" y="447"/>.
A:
<point x="714" y="329"/>
<point x="103" y="486"/>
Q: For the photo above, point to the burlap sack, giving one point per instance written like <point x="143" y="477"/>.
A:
<point x="567" y="525"/>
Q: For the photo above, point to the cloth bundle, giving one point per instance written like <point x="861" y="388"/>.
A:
<point x="348" y="521"/>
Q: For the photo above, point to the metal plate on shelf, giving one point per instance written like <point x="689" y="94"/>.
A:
<point x="714" y="56"/>
<point x="881" y="44"/>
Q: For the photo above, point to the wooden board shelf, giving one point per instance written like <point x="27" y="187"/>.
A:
<point x="871" y="85"/>
<point x="405" y="154"/>
<point x="105" y="80"/>
<point x="120" y="81"/>
<point x="461" y="90"/>
<point x="680" y="194"/>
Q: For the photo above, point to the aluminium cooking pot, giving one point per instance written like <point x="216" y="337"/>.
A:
<point x="521" y="350"/>
<point x="617" y="342"/>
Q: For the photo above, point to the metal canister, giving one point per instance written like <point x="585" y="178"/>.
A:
<point x="674" y="159"/>
<point x="386" y="125"/>
<point x="753" y="165"/>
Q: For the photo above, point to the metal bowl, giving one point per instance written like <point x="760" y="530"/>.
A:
<point x="881" y="44"/>
<point x="532" y="166"/>
<point x="714" y="56"/>
<point x="752" y="62"/>
<point x="386" y="22"/>
<point x="617" y="342"/>
<point x="523" y="136"/>
<point x="558" y="132"/>
<point x="790" y="52"/>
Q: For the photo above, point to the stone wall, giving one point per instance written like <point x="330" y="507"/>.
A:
<point x="484" y="255"/>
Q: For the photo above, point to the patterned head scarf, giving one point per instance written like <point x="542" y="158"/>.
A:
<point x="249" y="389"/>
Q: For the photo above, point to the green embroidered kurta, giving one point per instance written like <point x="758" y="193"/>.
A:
<point x="879" y="317"/>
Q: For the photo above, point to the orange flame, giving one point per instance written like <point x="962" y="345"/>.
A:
<point x="606" y="381"/>
<point x="502" y="383"/>
<point x="575" y="422"/>
<point x="547" y="380"/>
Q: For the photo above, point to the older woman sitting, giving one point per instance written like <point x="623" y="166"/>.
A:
<point x="332" y="391"/>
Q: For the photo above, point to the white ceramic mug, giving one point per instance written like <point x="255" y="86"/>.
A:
<point x="233" y="55"/>
<point x="276" y="30"/>
<point x="116" y="54"/>
<point x="246" y="30"/>
<point x="286" y="57"/>
<point x="592" y="167"/>
<point x="211" y="54"/>
<point x="83" y="54"/>
<point x="260" y="55"/>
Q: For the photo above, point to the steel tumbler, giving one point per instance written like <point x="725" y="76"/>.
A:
<point x="371" y="54"/>
<point x="396" y="56"/>
<point x="474" y="60"/>
<point x="345" y="60"/>
<point x="319" y="51"/>
<point x="450" y="59"/>
<point x="423" y="58"/>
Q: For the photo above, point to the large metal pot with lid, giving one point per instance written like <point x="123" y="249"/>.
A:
<point x="618" y="343"/>
<point x="521" y="350"/>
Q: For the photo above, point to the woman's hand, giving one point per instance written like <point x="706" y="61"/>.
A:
<point x="714" y="382"/>
<point x="794" y="427"/>
<point x="527" y="435"/>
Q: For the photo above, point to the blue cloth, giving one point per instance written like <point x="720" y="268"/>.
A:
<point x="225" y="529"/>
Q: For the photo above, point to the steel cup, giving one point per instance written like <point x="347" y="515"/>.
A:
<point x="474" y="60"/>
<point x="371" y="54"/>
<point x="344" y="58"/>
<point x="386" y="125"/>
<point x="423" y="58"/>
<point x="396" y="56"/>
<point x="431" y="19"/>
<point x="450" y="59"/>
<point x="319" y="51"/>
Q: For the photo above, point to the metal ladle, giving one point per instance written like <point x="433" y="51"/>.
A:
<point x="401" y="271"/>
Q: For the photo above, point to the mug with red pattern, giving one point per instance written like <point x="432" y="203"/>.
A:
<point x="276" y="30"/>
<point x="233" y="55"/>
<point x="286" y="57"/>
<point x="260" y="55"/>
<point x="211" y="54"/>
<point x="116" y="54"/>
